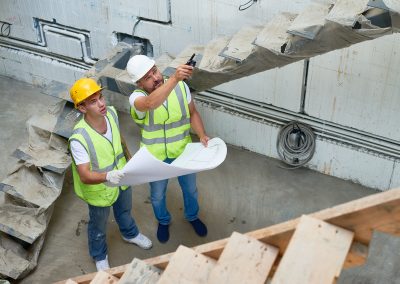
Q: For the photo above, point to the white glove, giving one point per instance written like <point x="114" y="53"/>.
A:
<point x="113" y="178"/>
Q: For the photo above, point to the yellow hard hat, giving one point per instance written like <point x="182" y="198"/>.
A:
<point x="82" y="89"/>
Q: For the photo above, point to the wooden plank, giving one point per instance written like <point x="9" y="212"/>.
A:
<point x="103" y="277"/>
<point x="244" y="260"/>
<point x="187" y="266"/>
<point x="380" y="211"/>
<point x="70" y="281"/>
<point x="139" y="272"/>
<point x="125" y="149"/>
<point x="117" y="271"/>
<point x="315" y="254"/>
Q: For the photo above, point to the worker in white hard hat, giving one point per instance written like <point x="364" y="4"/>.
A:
<point x="97" y="153"/>
<point x="165" y="112"/>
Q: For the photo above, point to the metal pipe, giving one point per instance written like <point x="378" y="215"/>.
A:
<point x="44" y="53"/>
<point x="41" y="44"/>
<point x="20" y="42"/>
<point x="266" y="109"/>
<point x="280" y="117"/>
<point x="81" y="37"/>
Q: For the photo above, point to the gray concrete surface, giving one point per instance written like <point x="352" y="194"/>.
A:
<point x="382" y="265"/>
<point x="247" y="192"/>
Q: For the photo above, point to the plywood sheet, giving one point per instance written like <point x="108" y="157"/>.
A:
<point x="187" y="266"/>
<point x="244" y="260"/>
<point x="315" y="254"/>
<point x="139" y="272"/>
<point x="103" y="277"/>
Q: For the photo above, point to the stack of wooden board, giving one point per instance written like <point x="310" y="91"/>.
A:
<point x="310" y="249"/>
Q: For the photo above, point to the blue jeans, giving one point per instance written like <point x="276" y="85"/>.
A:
<point x="158" y="197"/>
<point x="98" y="222"/>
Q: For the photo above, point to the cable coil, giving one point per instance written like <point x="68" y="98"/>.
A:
<point x="295" y="144"/>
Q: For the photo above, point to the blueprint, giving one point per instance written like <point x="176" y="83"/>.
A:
<point x="143" y="167"/>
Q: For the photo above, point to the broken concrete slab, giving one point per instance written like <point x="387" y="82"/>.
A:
<point x="346" y="23"/>
<point x="274" y="36"/>
<point x="66" y="121"/>
<point x="57" y="89"/>
<point x="26" y="224"/>
<point x="241" y="45"/>
<point x="20" y="257"/>
<point x="40" y="128"/>
<point x="37" y="187"/>
<point x="50" y="159"/>
<point x="310" y="21"/>
<point x="12" y="264"/>
<point x="214" y="70"/>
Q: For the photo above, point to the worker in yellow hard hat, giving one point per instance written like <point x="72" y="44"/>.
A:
<point x="82" y="89"/>
<point x="165" y="112"/>
<point x="98" y="158"/>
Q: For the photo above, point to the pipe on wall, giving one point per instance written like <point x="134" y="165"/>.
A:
<point x="324" y="129"/>
<point x="82" y="38"/>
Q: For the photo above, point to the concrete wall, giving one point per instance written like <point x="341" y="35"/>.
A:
<point x="330" y="157"/>
<point x="356" y="87"/>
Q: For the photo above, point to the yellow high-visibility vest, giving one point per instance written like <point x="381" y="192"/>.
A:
<point x="104" y="157"/>
<point x="166" y="129"/>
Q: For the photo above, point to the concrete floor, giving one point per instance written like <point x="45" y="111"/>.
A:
<point x="247" y="192"/>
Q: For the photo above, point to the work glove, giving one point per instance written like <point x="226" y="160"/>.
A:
<point x="113" y="177"/>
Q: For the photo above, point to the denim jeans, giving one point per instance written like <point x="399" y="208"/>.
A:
<point x="98" y="223"/>
<point x="158" y="197"/>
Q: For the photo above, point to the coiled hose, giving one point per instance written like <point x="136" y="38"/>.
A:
<point x="295" y="144"/>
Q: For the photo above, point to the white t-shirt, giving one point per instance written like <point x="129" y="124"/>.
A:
<point x="78" y="151"/>
<point x="137" y="94"/>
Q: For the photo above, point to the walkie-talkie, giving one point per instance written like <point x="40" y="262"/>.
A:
<point x="191" y="62"/>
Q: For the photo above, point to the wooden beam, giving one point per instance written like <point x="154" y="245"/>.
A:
<point x="125" y="149"/>
<point x="380" y="211"/>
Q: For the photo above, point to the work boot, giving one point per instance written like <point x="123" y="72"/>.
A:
<point x="141" y="241"/>
<point x="199" y="227"/>
<point x="163" y="233"/>
<point x="102" y="264"/>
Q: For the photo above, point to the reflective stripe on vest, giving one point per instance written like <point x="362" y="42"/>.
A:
<point x="92" y="152"/>
<point x="99" y="194"/>
<point x="166" y="124"/>
<point x="186" y="118"/>
<point x="166" y="140"/>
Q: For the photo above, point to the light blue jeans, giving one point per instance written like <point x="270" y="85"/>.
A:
<point x="98" y="223"/>
<point x="189" y="191"/>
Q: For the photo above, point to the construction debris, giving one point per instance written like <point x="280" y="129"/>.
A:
<point x="30" y="191"/>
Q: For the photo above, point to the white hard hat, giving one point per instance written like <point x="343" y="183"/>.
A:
<point x="138" y="66"/>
